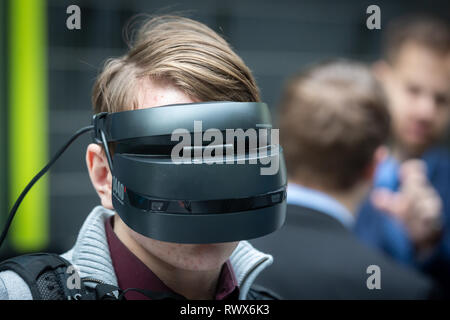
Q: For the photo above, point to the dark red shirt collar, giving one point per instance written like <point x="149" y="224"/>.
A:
<point x="133" y="273"/>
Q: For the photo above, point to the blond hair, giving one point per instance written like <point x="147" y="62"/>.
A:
<point x="183" y="52"/>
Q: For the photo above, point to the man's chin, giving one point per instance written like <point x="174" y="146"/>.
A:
<point x="208" y="248"/>
<point x="191" y="257"/>
<point x="208" y="256"/>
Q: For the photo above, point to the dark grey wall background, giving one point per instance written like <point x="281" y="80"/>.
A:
<point x="275" y="38"/>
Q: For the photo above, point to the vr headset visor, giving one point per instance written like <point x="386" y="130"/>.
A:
<point x="217" y="193"/>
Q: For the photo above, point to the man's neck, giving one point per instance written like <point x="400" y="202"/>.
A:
<point x="193" y="285"/>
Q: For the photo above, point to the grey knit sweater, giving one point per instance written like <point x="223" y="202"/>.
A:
<point x="91" y="257"/>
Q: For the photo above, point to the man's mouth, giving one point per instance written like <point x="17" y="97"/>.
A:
<point x="419" y="132"/>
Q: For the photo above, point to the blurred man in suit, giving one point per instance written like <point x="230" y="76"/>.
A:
<point x="415" y="73"/>
<point x="333" y="123"/>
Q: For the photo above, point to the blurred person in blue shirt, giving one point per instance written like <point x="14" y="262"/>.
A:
<point x="407" y="215"/>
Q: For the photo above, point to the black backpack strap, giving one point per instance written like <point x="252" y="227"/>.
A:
<point x="45" y="274"/>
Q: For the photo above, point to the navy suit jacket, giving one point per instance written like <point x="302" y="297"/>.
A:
<point x="317" y="257"/>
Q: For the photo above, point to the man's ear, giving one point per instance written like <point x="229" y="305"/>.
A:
<point x="378" y="156"/>
<point x="99" y="173"/>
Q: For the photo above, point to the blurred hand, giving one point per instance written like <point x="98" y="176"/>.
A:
<point x="416" y="205"/>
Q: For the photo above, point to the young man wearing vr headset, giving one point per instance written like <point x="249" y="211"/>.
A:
<point x="173" y="60"/>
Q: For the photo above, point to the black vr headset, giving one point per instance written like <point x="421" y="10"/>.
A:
<point x="217" y="193"/>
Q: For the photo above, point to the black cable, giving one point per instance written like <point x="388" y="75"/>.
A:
<point x="108" y="155"/>
<point x="37" y="177"/>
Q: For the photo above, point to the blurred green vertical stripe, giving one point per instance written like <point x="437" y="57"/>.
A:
<point x="3" y="205"/>
<point x="28" y="125"/>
